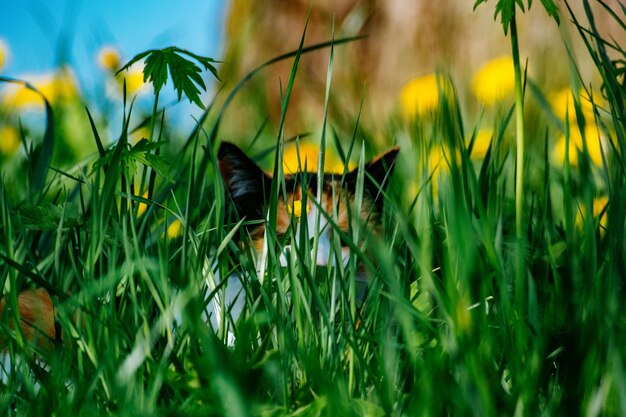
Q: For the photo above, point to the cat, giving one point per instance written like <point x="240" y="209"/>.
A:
<point x="249" y="192"/>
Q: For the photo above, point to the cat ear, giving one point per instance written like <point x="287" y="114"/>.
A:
<point x="247" y="184"/>
<point x="378" y="174"/>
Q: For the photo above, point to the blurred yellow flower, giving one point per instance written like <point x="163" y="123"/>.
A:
<point x="109" y="58"/>
<point x="4" y="54"/>
<point x="9" y="140"/>
<point x="562" y="103"/>
<point x="481" y="143"/>
<point x="58" y="86"/>
<point x="134" y="80"/>
<point x="593" y="140"/>
<point x="420" y="96"/>
<point x="175" y="229"/>
<point x="139" y="134"/>
<point x="437" y="165"/>
<point x="599" y="205"/>
<point x="142" y="207"/>
<point x="494" y="81"/>
<point x="309" y="154"/>
<point x="297" y="208"/>
<point x="438" y="160"/>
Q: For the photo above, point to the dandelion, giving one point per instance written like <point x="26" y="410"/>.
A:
<point x="139" y="134"/>
<point x="109" y="58"/>
<point x="437" y="165"/>
<point x="562" y="103"/>
<point x="297" y="208"/>
<point x="593" y="141"/>
<point x="4" y="54"/>
<point x="58" y="86"/>
<point x="494" y="81"/>
<point x="599" y="211"/>
<point x="142" y="207"/>
<point x="420" y="96"/>
<point x="135" y="83"/>
<point x="482" y="141"/>
<point x="308" y="159"/>
<point x="599" y="206"/>
<point x="9" y="140"/>
<point x="175" y="229"/>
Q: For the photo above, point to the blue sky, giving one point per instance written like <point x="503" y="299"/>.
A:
<point x="35" y="29"/>
<point x="40" y="34"/>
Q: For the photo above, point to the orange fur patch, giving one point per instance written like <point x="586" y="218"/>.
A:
<point x="36" y="318"/>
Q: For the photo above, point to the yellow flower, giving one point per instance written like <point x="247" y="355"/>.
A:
<point x="139" y="134"/>
<point x="141" y="209"/>
<point x="562" y="103"/>
<point x="297" y="208"/>
<point x="437" y="165"/>
<point x="599" y="205"/>
<point x="437" y="160"/>
<point x="4" y="54"/>
<point x="175" y="229"/>
<point x="134" y="80"/>
<point x="9" y="140"/>
<point x="56" y="86"/>
<point x="494" y="81"/>
<point x="309" y="155"/>
<point x="481" y="143"/>
<point x="593" y="140"/>
<point x="420" y="96"/>
<point x="109" y="58"/>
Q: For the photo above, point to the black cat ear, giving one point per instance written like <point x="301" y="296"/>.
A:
<point x="378" y="174"/>
<point x="247" y="183"/>
<point x="381" y="168"/>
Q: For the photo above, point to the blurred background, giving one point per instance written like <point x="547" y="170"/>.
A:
<point x="71" y="50"/>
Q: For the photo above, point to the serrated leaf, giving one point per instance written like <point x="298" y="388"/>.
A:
<point x="186" y="75"/>
<point x="47" y="216"/>
<point x="552" y="9"/>
<point x="144" y="145"/>
<point x="155" y="70"/>
<point x="478" y="3"/>
<point x="156" y="162"/>
<point x="506" y="10"/>
<point x="134" y="59"/>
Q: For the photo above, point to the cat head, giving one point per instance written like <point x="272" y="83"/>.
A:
<point x="250" y="188"/>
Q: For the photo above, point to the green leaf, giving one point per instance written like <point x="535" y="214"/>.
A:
<point x="155" y="70"/>
<point x="159" y="163"/>
<point x="47" y="216"/>
<point x="478" y="3"/>
<point x="369" y="409"/>
<point x="506" y="10"/>
<point x="552" y="9"/>
<point x="186" y="74"/>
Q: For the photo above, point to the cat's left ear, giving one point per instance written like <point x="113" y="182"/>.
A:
<point x="247" y="184"/>
<point x="378" y="172"/>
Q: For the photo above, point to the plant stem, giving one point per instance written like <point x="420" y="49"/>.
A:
<point x="519" y="163"/>
<point x="155" y="109"/>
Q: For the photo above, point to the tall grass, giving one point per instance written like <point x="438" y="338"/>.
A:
<point x="443" y="330"/>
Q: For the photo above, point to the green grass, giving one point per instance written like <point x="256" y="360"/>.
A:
<point x="447" y="328"/>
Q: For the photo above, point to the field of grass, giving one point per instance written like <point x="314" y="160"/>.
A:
<point x="497" y="287"/>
